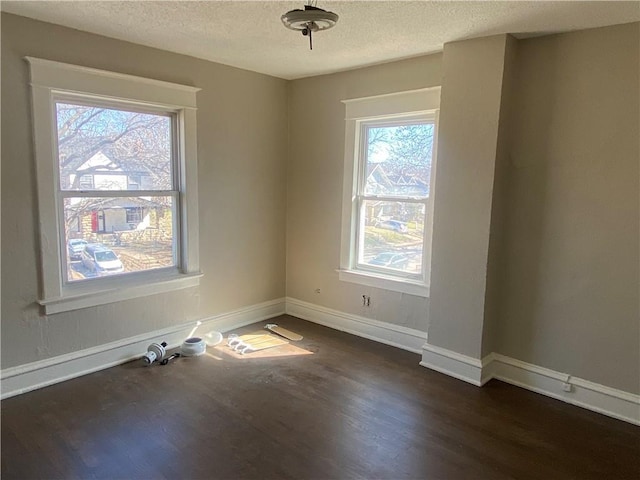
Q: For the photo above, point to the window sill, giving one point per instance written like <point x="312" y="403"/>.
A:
<point x="385" y="282"/>
<point x="123" y="291"/>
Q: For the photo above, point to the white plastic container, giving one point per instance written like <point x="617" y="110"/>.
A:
<point x="193" y="347"/>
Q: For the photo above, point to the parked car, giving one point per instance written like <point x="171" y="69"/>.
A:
<point x="398" y="261"/>
<point x="394" y="225"/>
<point x="75" y="246"/>
<point x="101" y="260"/>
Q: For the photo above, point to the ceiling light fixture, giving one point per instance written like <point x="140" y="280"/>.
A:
<point x="311" y="19"/>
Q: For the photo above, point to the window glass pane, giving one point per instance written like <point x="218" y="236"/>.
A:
<point x="110" y="149"/>
<point x="398" y="160"/>
<point x="393" y="236"/>
<point x="110" y="236"/>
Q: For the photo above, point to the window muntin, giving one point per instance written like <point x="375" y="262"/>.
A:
<point x="393" y="187"/>
<point x="116" y="147"/>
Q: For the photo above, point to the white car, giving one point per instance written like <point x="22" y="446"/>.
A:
<point x="75" y="246"/>
<point x="101" y="260"/>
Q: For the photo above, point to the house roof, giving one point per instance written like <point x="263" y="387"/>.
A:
<point x="383" y="181"/>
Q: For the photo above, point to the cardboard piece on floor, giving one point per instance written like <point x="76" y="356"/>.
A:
<point x="284" y="332"/>
<point x="253" y="342"/>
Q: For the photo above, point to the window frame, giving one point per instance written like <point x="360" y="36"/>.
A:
<point x="397" y="108"/>
<point x="52" y="82"/>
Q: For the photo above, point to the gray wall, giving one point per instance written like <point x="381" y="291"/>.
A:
<point x="314" y="198"/>
<point x="242" y="152"/>
<point x="570" y="290"/>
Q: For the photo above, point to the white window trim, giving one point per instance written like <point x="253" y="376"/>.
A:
<point x="359" y="110"/>
<point x="48" y="79"/>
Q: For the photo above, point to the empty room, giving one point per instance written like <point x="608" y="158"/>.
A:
<point x="320" y="240"/>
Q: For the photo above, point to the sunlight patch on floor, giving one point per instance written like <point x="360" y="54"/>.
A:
<point x="223" y="352"/>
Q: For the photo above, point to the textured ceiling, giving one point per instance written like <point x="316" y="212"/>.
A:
<point x="250" y="35"/>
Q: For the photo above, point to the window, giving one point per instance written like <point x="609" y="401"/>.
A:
<point x="106" y="145"/>
<point x="117" y="182"/>
<point x="388" y="201"/>
<point x="134" y="181"/>
<point x="85" y="182"/>
<point x="134" y="215"/>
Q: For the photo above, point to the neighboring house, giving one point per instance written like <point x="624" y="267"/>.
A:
<point x="382" y="181"/>
<point x="99" y="215"/>
<point x="119" y="215"/>
<point x="100" y="172"/>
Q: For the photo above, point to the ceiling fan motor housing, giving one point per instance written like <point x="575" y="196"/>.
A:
<point x="311" y="19"/>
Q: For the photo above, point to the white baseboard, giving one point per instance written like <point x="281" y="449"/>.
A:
<point x="387" y="333"/>
<point x="454" y="364"/>
<point x="24" y="378"/>
<point x="592" y="396"/>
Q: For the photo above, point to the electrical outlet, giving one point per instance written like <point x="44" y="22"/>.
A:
<point x="317" y="290"/>
<point x="567" y="387"/>
<point x="366" y="301"/>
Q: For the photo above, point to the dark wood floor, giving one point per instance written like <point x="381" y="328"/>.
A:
<point x="333" y="406"/>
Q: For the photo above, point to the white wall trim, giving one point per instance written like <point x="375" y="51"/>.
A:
<point x="387" y="333"/>
<point x="410" y="101"/>
<point x="592" y="396"/>
<point x="454" y="364"/>
<point x="31" y="376"/>
<point x="73" y="78"/>
<point x="153" y="286"/>
<point x="387" y="282"/>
